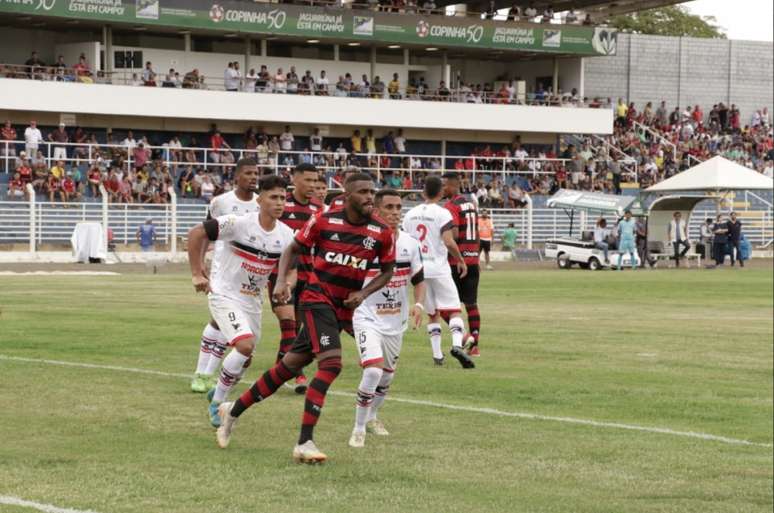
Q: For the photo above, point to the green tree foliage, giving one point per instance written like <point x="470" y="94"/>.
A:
<point x="669" y="21"/>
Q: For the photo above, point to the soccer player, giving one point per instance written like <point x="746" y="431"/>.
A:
<point x="337" y="202"/>
<point x="465" y="215"/>
<point x="432" y="225"/>
<point x="345" y="243"/>
<point x="321" y="189"/>
<point x="300" y="205"/>
<point x="242" y="200"/>
<point x="380" y="321"/>
<point x="252" y="247"/>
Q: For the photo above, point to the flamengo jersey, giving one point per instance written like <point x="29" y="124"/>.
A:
<point x="465" y="215"/>
<point x="223" y="205"/>
<point x="296" y="215"/>
<point x="249" y="255"/>
<point x="337" y="202"/>
<point x="343" y="253"/>
<point x="426" y="223"/>
<point x="387" y="310"/>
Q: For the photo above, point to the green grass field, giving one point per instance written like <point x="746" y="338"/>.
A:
<point x="686" y="351"/>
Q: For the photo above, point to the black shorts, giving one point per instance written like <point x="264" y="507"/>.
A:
<point x="318" y="329"/>
<point x="486" y="245"/>
<point x="467" y="287"/>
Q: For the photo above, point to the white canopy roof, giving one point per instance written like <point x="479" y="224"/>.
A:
<point x="715" y="174"/>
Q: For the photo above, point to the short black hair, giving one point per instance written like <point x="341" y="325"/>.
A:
<point x="433" y="186"/>
<point x="451" y="175"/>
<point x="385" y="192"/>
<point x="303" y="168"/>
<point x="627" y="212"/>
<point x="359" y="177"/>
<point x="269" y="182"/>
<point x="244" y="162"/>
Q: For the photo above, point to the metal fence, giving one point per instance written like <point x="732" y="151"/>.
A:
<point x="54" y="223"/>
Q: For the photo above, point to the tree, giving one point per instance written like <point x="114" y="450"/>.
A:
<point x="669" y="21"/>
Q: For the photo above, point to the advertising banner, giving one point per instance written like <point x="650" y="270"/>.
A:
<point x="329" y="22"/>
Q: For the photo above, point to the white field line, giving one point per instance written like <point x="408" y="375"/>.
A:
<point x="454" y="407"/>
<point x="45" y="508"/>
<point x="59" y="273"/>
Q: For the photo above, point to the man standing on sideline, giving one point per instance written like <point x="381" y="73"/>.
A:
<point x="600" y="238"/>
<point x="642" y="242"/>
<point x="146" y="234"/>
<point x="735" y="238"/>
<point x="379" y="323"/>
<point x="344" y="242"/>
<point x="719" y="239"/>
<point x="627" y="229"/>
<point x="509" y="238"/>
<point x="677" y="233"/>
<point x="486" y="235"/>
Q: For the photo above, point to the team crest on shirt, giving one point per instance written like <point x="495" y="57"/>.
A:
<point x="369" y="243"/>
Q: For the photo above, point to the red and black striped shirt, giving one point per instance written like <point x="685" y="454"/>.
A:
<point x="465" y="216"/>
<point x="337" y="203"/>
<point x="296" y="215"/>
<point x="342" y="254"/>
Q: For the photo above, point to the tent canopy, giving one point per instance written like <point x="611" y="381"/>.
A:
<point x="594" y="201"/>
<point x="715" y="174"/>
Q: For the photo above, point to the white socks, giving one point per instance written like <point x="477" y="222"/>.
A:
<point x="216" y="355"/>
<point x="229" y="374"/>
<point x="434" y="330"/>
<point x="210" y="336"/>
<point x="381" y="394"/>
<point x="365" y="396"/>
<point x="457" y="328"/>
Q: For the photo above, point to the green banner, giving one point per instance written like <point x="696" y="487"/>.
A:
<point x="327" y="22"/>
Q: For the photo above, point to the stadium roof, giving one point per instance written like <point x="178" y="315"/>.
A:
<point x="599" y="9"/>
<point x="715" y="174"/>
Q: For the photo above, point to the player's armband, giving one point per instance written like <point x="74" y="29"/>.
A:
<point x="211" y="229"/>
<point x="418" y="278"/>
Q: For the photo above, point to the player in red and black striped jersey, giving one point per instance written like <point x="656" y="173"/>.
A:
<point x="465" y="216"/>
<point x="344" y="243"/>
<point x="300" y="205"/>
<point x="337" y="202"/>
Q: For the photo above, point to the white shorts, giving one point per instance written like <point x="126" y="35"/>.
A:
<point x="441" y="295"/>
<point x="234" y="320"/>
<point x="375" y="346"/>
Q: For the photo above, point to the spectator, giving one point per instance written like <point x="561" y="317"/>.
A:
<point x="677" y="234"/>
<point x="394" y="87"/>
<point x="601" y="234"/>
<point x="356" y="142"/>
<point x="571" y="17"/>
<point x="316" y="140"/>
<point x="249" y="82"/>
<point x="428" y="7"/>
<point x="16" y="187"/>
<point x="7" y="146"/>
<point x="70" y="187"/>
<point x="24" y="169"/>
<point x="322" y="84"/>
<point x="548" y="15"/>
<point x="129" y="141"/>
<point x="530" y="12"/>
<point x="377" y="88"/>
<point x="58" y="169"/>
<point x="400" y="142"/>
<point x="286" y="139"/>
<point x="149" y="75"/>
<point x="292" y="81"/>
<point x="32" y="138"/>
<point x="146" y="235"/>
<point x="370" y="142"/>
<point x="207" y="189"/>
<point x="704" y="248"/>
<point x="734" y="227"/>
<point x="94" y="179"/>
<point x="60" y="136"/>
<point x="443" y="92"/>
<point x="280" y="82"/>
<point x="514" y="13"/>
<point x="191" y="79"/>
<point x="231" y="78"/>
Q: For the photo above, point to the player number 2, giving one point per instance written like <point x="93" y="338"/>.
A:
<point x="422" y="231"/>
<point x="471" y="226"/>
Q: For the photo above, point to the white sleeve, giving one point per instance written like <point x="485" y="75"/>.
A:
<point x="229" y="226"/>
<point x="214" y="209"/>
<point x="416" y="257"/>
<point x="445" y="217"/>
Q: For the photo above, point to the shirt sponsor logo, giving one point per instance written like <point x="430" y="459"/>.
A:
<point x="374" y="228"/>
<point x="336" y="221"/>
<point x="346" y="260"/>
<point x="325" y="340"/>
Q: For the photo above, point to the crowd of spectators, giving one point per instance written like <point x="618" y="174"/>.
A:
<point x="646" y="147"/>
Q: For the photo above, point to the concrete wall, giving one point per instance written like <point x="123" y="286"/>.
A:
<point x="684" y="71"/>
<point x="127" y="101"/>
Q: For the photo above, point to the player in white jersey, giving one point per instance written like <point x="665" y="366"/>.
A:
<point x="380" y="321"/>
<point x="242" y="200"/>
<point x="432" y="225"/>
<point x="253" y="244"/>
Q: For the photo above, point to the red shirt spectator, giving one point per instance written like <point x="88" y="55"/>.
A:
<point x="25" y="172"/>
<point x="53" y="183"/>
<point x="68" y="185"/>
<point x="459" y="165"/>
<point x="217" y="142"/>
<point x="7" y="133"/>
